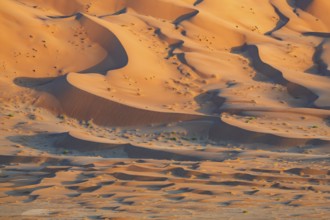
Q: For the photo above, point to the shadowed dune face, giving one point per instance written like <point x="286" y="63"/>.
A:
<point x="122" y="108"/>
<point x="116" y="57"/>
<point x="150" y="64"/>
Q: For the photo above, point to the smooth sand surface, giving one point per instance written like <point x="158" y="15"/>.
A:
<point x="164" y="109"/>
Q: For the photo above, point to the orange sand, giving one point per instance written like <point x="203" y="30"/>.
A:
<point x="164" y="109"/>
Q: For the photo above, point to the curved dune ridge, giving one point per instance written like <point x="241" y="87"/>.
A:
<point x="129" y="106"/>
<point x="150" y="62"/>
<point x="117" y="57"/>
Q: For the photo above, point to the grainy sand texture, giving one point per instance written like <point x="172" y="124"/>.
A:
<point x="164" y="109"/>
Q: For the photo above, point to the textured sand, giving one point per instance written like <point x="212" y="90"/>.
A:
<point x="164" y="109"/>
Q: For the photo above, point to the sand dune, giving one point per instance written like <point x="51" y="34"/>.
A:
<point x="117" y="57"/>
<point x="165" y="109"/>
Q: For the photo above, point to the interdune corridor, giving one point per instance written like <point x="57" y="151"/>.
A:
<point x="164" y="109"/>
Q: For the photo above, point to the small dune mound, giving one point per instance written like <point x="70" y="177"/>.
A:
<point x="85" y="143"/>
<point x="249" y="132"/>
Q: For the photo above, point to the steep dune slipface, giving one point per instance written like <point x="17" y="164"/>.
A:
<point x="95" y="104"/>
<point x="319" y="9"/>
<point x="121" y="107"/>
<point x="116" y="55"/>
<point x="168" y="59"/>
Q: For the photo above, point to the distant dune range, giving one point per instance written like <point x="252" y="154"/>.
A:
<point x="165" y="80"/>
